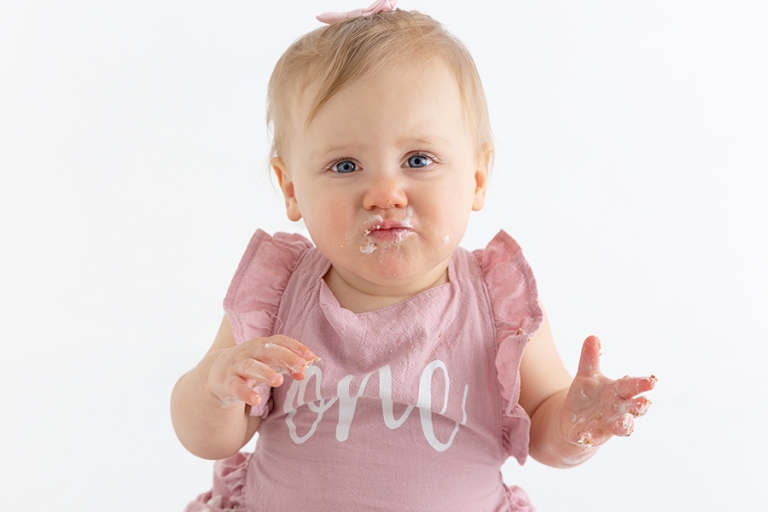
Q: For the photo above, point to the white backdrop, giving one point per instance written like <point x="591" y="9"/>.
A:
<point x="632" y="148"/>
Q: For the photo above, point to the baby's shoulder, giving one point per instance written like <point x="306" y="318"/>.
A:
<point x="502" y="251"/>
<point x="265" y="267"/>
<point x="493" y="264"/>
<point x="510" y="284"/>
<point x="271" y="254"/>
<point x="257" y="288"/>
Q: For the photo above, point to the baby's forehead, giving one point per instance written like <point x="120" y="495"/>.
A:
<point x="311" y="95"/>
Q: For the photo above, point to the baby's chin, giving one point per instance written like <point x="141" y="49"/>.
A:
<point x="403" y="263"/>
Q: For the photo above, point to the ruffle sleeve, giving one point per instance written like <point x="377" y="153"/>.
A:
<point x="227" y="494"/>
<point x="256" y="290"/>
<point x="517" y="316"/>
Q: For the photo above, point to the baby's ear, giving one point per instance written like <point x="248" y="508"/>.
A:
<point x="286" y="185"/>
<point x="482" y="169"/>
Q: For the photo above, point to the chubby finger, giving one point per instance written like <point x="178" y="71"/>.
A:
<point x="241" y="390"/>
<point x="629" y="387"/>
<point x="623" y="426"/>
<point x="291" y="344"/>
<point x="639" y="406"/>
<point x="284" y="354"/>
<point x="256" y="372"/>
<point x="284" y="360"/>
<point x="589" y="363"/>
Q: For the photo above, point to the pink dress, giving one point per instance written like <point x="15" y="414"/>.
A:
<point x="411" y="407"/>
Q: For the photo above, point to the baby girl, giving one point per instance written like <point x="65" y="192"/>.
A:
<point x="383" y="366"/>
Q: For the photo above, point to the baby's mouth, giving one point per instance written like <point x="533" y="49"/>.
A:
<point x="381" y="231"/>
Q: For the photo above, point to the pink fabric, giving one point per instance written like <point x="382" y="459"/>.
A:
<point x="412" y="407"/>
<point x="517" y="315"/>
<point x="376" y="7"/>
<point x="266" y="266"/>
<point x="229" y="476"/>
<point x="518" y="500"/>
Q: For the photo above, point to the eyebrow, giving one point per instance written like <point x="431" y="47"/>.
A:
<point x="428" y="141"/>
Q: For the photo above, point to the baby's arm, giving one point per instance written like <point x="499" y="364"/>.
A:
<point x="210" y="404"/>
<point x="571" y="417"/>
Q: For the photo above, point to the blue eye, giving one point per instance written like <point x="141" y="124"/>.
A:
<point x="344" y="166"/>
<point x="417" y="161"/>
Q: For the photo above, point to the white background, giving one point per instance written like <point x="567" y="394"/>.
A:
<point x="632" y="149"/>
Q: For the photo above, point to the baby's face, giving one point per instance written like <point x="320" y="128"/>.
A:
<point x="385" y="177"/>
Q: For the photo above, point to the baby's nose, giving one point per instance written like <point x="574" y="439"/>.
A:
<point x="384" y="192"/>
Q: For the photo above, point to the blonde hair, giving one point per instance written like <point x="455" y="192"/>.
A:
<point x="334" y="56"/>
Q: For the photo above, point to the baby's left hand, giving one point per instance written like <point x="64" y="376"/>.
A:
<point x="596" y="407"/>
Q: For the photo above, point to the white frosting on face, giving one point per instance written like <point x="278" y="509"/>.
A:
<point x="402" y="236"/>
<point x="372" y="221"/>
<point x="408" y="214"/>
<point x="368" y="248"/>
<point x="375" y="221"/>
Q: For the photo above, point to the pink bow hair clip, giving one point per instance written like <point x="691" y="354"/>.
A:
<point x="378" y="6"/>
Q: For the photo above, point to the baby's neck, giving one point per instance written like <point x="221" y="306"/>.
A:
<point x="359" y="300"/>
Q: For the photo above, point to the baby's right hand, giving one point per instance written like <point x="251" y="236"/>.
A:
<point x="236" y="371"/>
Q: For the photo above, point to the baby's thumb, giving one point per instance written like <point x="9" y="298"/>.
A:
<point x="589" y="364"/>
